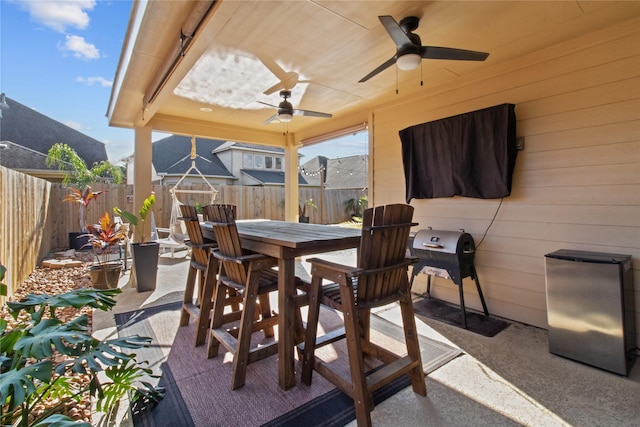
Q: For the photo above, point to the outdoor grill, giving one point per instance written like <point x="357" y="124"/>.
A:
<point x="446" y="254"/>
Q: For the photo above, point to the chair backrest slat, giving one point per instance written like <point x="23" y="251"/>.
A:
<point x="385" y="232"/>
<point x="228" y="239"/>
<point x="199" y="254"/>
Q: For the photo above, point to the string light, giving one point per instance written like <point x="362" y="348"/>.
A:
<point x="314" y="173"/>
<point x="336" y="170"/>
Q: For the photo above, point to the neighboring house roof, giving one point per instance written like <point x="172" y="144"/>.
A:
<point x="347" y="172"/>
<point x="310" y="170"/>
<point x="270" y="177"/>
<point x="172" y="156"/>
<point x="228" y="145"/>
<point x="343" y="172"/>
<point x="34" y="131"/>
<point x="29" y="161"/>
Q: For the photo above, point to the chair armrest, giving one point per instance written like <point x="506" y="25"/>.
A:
<point x="331" y="270"/>
<point x="162" y="230"/>
<point x="241" y="259"/>
<point x="200" y="246"/>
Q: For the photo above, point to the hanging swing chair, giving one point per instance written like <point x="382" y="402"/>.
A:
<point x="176" y="190"/>
<point x="177" y="233"/>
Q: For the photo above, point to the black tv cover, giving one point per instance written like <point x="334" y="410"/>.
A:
<point x="470" y="155"/>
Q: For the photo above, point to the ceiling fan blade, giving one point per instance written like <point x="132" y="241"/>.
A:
<point x="435" y="52"/>
<point x="269" y="105"/>
<point x="389" y="62"/>
<point x="273" y="89"/>
<point x="297" y="112"/>
<point x="270" y="119"/>
<point x="396" y="32"/>
<point x="273" y="66"/>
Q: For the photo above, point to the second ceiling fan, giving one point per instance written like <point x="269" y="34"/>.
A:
<point x="409" y="49"/>
<point x="286" y="111"/>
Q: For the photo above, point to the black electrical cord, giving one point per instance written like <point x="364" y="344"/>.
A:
<point x="490" y="224"/>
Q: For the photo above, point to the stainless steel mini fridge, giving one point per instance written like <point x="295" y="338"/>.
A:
<point x="590" y="308"/>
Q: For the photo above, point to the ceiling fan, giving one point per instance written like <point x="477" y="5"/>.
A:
<point x="286" y="111"/>
<point x="409" y="49"/>
<point x="287" y="79"/>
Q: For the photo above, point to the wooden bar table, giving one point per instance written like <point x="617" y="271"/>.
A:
<point x="286" y="241"/>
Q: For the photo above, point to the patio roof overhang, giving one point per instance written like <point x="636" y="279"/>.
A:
<point x="203" y="67"/>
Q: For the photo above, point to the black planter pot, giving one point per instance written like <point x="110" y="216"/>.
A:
<point x="304" y="219"/>
<point x="145" y="265"/>
<point x="79" y="241"/>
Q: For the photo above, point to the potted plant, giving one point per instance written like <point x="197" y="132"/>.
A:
<point x="144" y="253"/>
<point x="40" y="353"/>
<point x="103" y="237"/>
<point x="302" y="210"/>
<point x="78" y="240"/>
<point x="355" y="207"/>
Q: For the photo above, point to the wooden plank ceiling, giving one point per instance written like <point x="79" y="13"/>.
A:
<point x="319" y="50"/>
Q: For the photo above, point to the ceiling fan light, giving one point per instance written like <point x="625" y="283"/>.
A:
<point x="285" y="117"/>
<point x="410" y="61"/>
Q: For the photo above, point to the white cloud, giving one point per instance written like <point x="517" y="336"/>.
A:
<point x="90" y="81"/>
<point x="80" y="48"/>
<point x="59" y="15"/>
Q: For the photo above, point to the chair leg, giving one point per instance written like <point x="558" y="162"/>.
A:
<point x="241" y="356"/>
<point x="265" y="313"/>
<point x="312" y="330"/>
<point x="362" y="399"/>
<point x="188" y="295"/>
<point x="413" y="346"/>
<point x="206" y="304"/>
<point x="216" y="319"/>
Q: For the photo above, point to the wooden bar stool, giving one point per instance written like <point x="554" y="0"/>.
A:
<point x="380" y="278"/>
<point x="252" y="276"/>
<point x="202" y="269"/>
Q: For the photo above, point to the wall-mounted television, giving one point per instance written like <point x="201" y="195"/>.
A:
<point x="470" y="155"/>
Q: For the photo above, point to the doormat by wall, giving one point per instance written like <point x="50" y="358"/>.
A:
<point x="452" y="315"/>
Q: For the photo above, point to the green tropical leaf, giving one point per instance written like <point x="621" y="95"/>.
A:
<point x="3" y="287"/>
<point x="18" y="384"/>
<point x="143" y="212"/>
<point x="59" y="420"/>
<point x="52" y="333"/>
<point x="105" y="353"/>
<point x="123" y="380"/>
<point x="77" y="298"/>
<point x="62" y="389"/>
<point x="9" y="339"/>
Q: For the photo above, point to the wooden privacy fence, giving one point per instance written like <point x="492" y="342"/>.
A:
<point x="24" y="204"/>
<point x="35" y="220"/>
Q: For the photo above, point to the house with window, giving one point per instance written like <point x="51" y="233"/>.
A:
<point x="219" y="162"/>
<point x="254" y="164"/>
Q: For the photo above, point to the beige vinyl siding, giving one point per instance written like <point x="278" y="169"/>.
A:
<point x="576" y="184"/>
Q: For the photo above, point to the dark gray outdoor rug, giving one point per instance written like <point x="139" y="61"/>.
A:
<point x="198" y="392"/>
<point x="452" y="315"/>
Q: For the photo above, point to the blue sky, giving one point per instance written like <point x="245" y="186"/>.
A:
<point x="60" y="58"/>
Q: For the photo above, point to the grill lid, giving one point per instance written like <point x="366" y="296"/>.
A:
<point x="442" y="241"/>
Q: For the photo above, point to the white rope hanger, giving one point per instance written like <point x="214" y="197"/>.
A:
<point x="193" y="167"/>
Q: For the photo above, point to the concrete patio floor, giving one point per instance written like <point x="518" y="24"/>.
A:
<point x="507" y="380"/>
